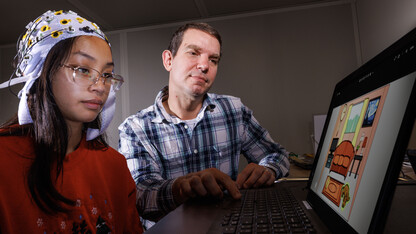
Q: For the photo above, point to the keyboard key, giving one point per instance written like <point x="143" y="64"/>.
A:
<point x="228" y="230"/>
<point x="278" y="226"/>
<point x="297" y="230"/>
<point x="262" y="226"/>
<point x="247" y="220"/>
<point x="245" y="231"/>
<point x="247" y="226"/>
<point x="280" y="230"/>
<point x="262" y="230"/>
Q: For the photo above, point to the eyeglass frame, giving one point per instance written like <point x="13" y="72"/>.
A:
<point x="116" y="77"/>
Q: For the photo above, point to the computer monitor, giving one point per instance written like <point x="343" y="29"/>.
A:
<point x="365" y="137"/>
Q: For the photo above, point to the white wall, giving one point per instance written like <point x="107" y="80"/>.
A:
<point x="284" y="64"/>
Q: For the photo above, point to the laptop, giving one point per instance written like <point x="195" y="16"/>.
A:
<point x="358" y="160"/>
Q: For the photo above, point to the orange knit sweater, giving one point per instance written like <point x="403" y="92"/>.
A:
<point x="98" y="180"/>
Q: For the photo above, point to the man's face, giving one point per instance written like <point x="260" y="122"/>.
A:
<point x="193" y="69"/>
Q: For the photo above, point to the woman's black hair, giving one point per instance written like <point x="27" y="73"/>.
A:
<point x="50" y="134"/>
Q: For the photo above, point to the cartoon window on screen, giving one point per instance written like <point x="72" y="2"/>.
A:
<point x="371" y="112"/>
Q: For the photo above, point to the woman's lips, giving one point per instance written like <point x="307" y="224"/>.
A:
<point x="93" y="104"/>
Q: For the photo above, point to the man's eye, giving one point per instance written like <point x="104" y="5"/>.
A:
<point x="214" y="61"/>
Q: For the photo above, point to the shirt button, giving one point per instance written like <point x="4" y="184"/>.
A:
<point x="195" y="151"/>
<point x="186" y="126"/>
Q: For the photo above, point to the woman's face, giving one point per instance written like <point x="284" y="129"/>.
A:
<point x="80" y="103"/>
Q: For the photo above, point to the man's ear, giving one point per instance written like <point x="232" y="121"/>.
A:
<point x="167" y="58"/>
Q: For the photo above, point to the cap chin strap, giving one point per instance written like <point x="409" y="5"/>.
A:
<point x="13" y="81"/>
<point x="23" y="112"/>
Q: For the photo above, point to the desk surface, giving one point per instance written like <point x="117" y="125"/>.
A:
<point x="298" y="172"/>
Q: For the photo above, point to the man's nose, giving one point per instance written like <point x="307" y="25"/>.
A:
<point x="203" y="64"/>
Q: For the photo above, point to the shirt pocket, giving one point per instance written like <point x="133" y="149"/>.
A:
<point x="221" y="158"/>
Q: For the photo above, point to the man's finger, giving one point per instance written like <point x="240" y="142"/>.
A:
<point x="231" y="186"/>
<point x="197" y="186"/>
<point x="271" y="180"/>
<point x="242" y="177"/>
<point x="186" y="190"/>
<point x="263" y="179"/>
<point x="254" y="176"/>
<point x="211" y="185"/>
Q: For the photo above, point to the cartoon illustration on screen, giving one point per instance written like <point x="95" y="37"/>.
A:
<point x="350" y="146"/>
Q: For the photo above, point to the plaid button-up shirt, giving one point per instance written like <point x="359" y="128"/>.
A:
<point x="159" y="147"/>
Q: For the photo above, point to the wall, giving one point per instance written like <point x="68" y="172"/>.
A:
<point x="8" y="101"/>
<point x="283" y="64"/>
<point x="382" y="22"/>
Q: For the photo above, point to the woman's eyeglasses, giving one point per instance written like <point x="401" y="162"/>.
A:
<point x="86" y="76"/>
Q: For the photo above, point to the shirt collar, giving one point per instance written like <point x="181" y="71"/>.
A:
<point x="163" y="116"/>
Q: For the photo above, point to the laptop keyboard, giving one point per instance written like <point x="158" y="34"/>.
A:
<point x="266" y="211"/>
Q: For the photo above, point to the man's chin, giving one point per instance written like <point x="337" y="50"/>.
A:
<point x="198" y="91"/>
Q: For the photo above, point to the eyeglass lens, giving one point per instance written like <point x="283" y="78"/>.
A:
<point x="87" y="77"/>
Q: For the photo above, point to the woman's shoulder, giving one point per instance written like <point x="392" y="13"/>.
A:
<point x="111" y="161"/>
<point x="16" y="145"/>
<point x="109" y="154"/>
<point x="13" y="134"/>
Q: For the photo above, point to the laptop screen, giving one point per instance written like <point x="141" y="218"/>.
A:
<point x="365" y="137"/>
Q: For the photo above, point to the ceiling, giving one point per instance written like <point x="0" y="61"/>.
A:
<point x="121" y="14"/>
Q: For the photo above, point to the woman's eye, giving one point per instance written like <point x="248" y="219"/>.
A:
<point x="83" y="71"/>
<point x="107" y="75"/>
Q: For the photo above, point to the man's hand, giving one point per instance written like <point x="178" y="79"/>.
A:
<point x="203" y="183"/>
<point x="254" y="176"/>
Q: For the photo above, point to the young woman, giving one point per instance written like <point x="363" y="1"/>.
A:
<point x="57" y="173"/>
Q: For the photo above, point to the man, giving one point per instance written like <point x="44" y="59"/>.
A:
<point x="189" y="142"/>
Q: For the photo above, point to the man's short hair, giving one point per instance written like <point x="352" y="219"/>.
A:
<point x="177" y="37"/>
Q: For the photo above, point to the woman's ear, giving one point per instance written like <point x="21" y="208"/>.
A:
<point x="167" y="58"/>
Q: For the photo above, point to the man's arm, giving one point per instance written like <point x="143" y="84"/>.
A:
<point x="269" y="160"/>
<point x="154" y="195"/>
